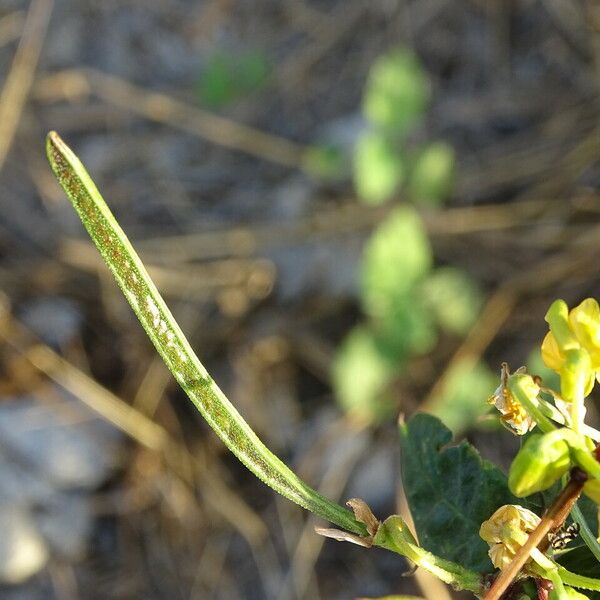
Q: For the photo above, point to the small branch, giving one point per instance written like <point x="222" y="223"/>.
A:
<point x="553" y="519"/>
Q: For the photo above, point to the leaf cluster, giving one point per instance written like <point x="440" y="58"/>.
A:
<point x="405" y="299"/>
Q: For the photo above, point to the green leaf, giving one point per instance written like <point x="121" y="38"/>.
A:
<point x="583" y="562"/>
<point x="591" y="513"/>
<point x="463" y="400"/>
<point x="450" y="491"/>
<point x="378" y="169"/>
<point x="252" y="70"/>
<point x="396" y="256"/>
<point x="580" y="560"/>
<point x="361" y="373"/>
<point x="226" y="77"/>
<point x="397" y="92"/>
<point x="406" y="329"/>
<point x="432" y="175"/>
<point x="217" y="86"/>
<point x="453" y="297"/>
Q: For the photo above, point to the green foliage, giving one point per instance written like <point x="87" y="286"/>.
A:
<point x="406" y="329"/>
<point x="397" y="92"/>
<point x="396" y="256"/>
<point x="432" y="175"/>
<point x="450" y="491"/>
<point x="395" y="101"/>
<point x="227" y="77"/>
<point x="580" y="560"/>
<point x="591" y="513"/>
<point x="401" y="297"/>
<point x="361" y="373"/>
<point x="453" y="298"/>
<point x="583" y="562"/>
<point x="378" y="168"/>
<point x="463" y="400"/>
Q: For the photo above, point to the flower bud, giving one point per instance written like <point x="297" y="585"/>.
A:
<point x="576" y="376"/>
<point x="542" y="460"/>
<point x="558" y="319"/>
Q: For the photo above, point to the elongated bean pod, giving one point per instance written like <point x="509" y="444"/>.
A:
<point x="173" y="347"/>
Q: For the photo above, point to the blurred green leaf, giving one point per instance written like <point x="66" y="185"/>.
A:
<point x="252" y="70"/>
<point x="432" y="175"/>
<point x="397" y="92"/>
<point x="463" y="400"/>
<point x="536" y="366"/>
<point x="396" y="256"/>
<point x="226" y="77"/>
<point x="453" y="297"/>
<point x="361" y="373"/>
<point x="450" y="491"/>
<point x="407" y="328"/>
<point x="217" y="86"/>
<point x="378" y="168"/>
<point x="324" y="162"/>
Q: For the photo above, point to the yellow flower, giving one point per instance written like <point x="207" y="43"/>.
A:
<point x="514" y="414"/>
<point x="506" y="531"/>
<point x="572" y="346"/>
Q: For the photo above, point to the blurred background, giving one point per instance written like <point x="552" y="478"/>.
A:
<point x="354" y="209"/>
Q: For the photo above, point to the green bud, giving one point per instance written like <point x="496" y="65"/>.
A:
<point x="576" y="376"/>
<point x="558" y="319"/>
<point x="542" y="460"/>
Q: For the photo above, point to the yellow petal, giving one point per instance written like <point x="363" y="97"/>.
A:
<point x="551" y="355"/>
<point x="584" y="321"/>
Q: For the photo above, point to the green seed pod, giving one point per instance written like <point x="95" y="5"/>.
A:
<point x="542" y="460"/>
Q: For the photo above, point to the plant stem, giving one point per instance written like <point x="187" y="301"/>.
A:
<point x="173" y="347"/>
<point x="577" y="403"/>
<point x="393" y="535"/>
